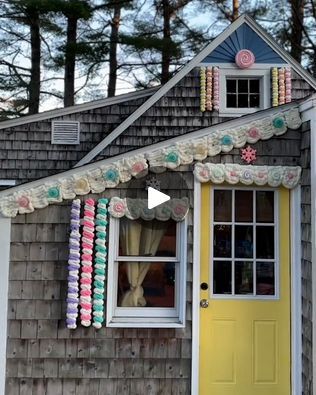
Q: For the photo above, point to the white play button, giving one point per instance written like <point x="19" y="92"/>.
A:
<point x="156" y="197"/>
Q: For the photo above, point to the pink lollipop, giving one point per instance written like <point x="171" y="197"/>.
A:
<point x="244" y="59"/>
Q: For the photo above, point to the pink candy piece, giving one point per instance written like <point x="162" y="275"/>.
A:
<point x="244" y="59"/>
<point x="85" y="317"/>
<point x="86" y="257"/>
<point x="85" y="292"/>
<point x="86" y="306"/>
<point x="87" y="269"/>
<point x="87" y="281"/>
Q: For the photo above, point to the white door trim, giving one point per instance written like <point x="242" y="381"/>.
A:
<point x="296" y="308"/>
<point x="5" y="236"/>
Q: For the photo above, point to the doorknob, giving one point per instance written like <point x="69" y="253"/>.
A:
<point x="204" y="303"/>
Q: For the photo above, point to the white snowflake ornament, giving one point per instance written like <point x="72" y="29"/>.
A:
<point x="249" y="154"/>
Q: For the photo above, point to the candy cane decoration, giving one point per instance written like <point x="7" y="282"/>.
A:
<point x="209" y="88"/>
<point x="202" y="88"/>
<point x="86" y="263"/>
<point x="73" y="266"/>
<point x="100" y="264"/>
<point x="281" y="86"/>
<point x="288" y="85"/>
<point x="275" y="87"/>
<point x="216" y="88"/>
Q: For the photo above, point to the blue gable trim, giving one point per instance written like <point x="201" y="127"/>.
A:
<point x="243" y="38"/>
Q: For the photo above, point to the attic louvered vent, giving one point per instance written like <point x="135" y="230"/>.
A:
<point x="65" y="132"/>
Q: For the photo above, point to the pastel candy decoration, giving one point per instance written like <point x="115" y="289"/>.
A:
<point x="275" y="87"/>
<point x="86" y="262"/>
<point x="216" y="88"/>
<point x="244" y="59"/>
<point x="281" y="86"/>
<point x="73" y="266"/>
<point x="202" y="88"/>
<point x="288" y="85"/>
<point x="209" y="88"/>
<point x="100" y="264"/>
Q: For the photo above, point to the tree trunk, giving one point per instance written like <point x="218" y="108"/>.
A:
<point x="296" y="35"/>
<point x="235" y="9"/>
<point x="166" y="55"/>
<point x="115" y="25"/>
<point x="70" y="61"/>
<point x="35" y="81"/>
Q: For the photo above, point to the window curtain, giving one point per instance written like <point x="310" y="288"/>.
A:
<point x="139" y="239"/>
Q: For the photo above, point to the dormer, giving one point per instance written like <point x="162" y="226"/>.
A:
<point x="246" y="72"/>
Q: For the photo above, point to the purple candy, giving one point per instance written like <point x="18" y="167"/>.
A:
<point x="70" y="321"/>
<point x="72" y="267"/>
<point x="72" y="311"/>
<point x="72" y="279"/>
<point x="72" y="290"/>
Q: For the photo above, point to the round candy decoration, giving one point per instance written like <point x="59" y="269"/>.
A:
<point x="244" y="59"/>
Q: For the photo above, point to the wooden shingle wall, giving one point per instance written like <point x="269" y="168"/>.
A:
<point x="26" y="152"/>
<point x="177" y="113"/>
<point x="306" y="263"/>
<point x="44" y="357"/>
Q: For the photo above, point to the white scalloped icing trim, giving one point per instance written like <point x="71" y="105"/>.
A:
<point x="288" y="176"/>
<point x="181" y="153"/>
<point x="175" y="209"/>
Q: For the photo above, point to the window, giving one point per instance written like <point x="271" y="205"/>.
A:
<point x="244" y="256"/>
<point x="146" y="274"/>
<point x="242" y="92"/>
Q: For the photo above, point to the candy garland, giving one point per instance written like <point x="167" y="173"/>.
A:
<point x="288" y="85"/>
<point x="73" y="266"/>
<point x="100" y="264"/>
<point x="216" y="88"/>
<point x="202" y="88"/>
<point x="275" y="87"/>
<point x="86" y="262"/>
<point x="209" y="88"/>
<point x="281" y="86"/>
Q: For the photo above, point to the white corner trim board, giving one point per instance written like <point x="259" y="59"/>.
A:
<point x="5" y="234"/>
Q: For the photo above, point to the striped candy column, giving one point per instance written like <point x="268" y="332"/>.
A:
<point x="86" y="263"/>
<point x="73" y="266"/>
<point x="100" y="264"/>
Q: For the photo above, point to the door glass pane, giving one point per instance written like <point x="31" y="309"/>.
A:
<point x="222" y="241"/>
<point x="265" y="278"/>
<point x="265" y="242"/>
<point x="158" y="284"/>
<point x="243" y="206"/>
<point x="222" y="205"/>
<point x="243" y="241"/>
<point x="265" y="206"/>
<point x="222" y="277"/>
<point x="243" y="277"/>
<point x="147" y="238"/>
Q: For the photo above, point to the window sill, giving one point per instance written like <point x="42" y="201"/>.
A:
<point x="137" y="322"/>
<point x="230" y="112"/>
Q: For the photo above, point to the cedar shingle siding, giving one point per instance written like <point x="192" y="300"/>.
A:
<point x="44" y="357"/>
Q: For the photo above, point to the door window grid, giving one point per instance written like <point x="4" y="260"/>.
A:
<point x="232" y="259"/>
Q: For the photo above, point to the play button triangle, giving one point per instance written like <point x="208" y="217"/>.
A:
<point x="155" y="198"/>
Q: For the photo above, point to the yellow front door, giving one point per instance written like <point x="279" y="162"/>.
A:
<point x="245" y="292"/>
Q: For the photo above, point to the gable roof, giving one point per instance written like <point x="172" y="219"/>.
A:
<point x="244" y="19"/>
<point x="108" y="101"/>
<point x="243" y="38"/>
<point x="170" y="154"/>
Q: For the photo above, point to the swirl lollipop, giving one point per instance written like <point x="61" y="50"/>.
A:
<point x="244" y="59"/>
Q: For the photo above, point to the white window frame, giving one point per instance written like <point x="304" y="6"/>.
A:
<point x="146" y="317"/>
<point x="263" y="74"/>
<point x="276" y="259"/>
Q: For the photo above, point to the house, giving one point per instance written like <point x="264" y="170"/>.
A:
<point x="209" y="293"/>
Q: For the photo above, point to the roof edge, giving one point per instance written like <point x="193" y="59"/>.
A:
<point x="108" y="101"/>
<point x="227" y="125"/>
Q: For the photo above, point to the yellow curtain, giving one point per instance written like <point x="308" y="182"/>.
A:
<point x="144" y="241"/>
